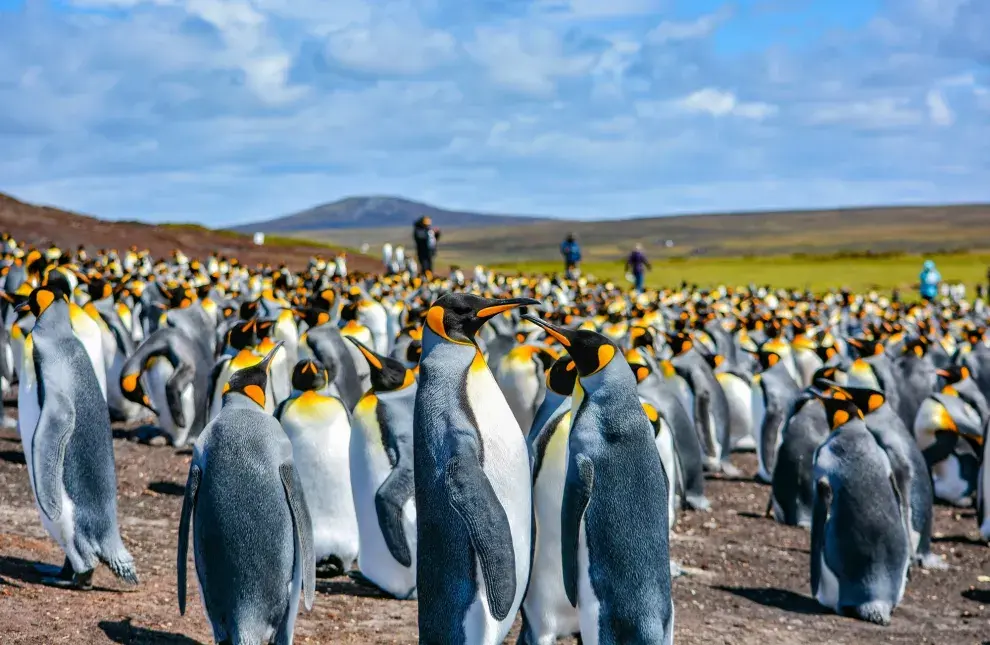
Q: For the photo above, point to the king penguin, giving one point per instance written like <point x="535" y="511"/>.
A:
<point x="859" y="530"/>
<point x="614" y="517"/>
<point x="382" y="476"/>
<point x="319" y="428"/>
<point x="252" y="533"/>
<point x="473" y="482"/>
<point x="547" y="613"/>
<point x="68" y="446"/>
<point x="178" y="380"/>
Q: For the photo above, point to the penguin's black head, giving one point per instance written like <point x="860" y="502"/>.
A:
<point x="309" y="375"/>
<point x="458" y="317"/>
<point x="590" y="350"/>
<point x="771" y="353"/>
<point x="243" y="335"/>
<point x="917" y="346"/>
<point x="641" y="369"/>
<point x="824" y="376"/>
<point x="866" y="347"/>
<point x="349" y="312"/>
<point x="866" y="399"/>
<point x="98" y="288"/>
<point x="953" y="374"/>
<point x="414" y="351"/>
<point x="252" y="382"/>
<point x="562" y="376"/>
<point x="387" y="374"/>
<point x="839" y="407"/>
<point x="641" y="336"/>
<point x="313" y="316"/>
<point x="680" y="343"/>
<point x="44" y="297"/>
<point x="248" y="310"/>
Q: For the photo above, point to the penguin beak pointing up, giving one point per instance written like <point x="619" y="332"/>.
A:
<point x="387" y="374"/>
<point x="458" y="317"/>
<point x="590" y="350"/>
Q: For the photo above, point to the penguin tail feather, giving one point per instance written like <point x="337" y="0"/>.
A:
<point x="122" y="566"/>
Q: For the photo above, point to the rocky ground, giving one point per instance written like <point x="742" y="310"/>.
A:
<point x="748" y="583"/>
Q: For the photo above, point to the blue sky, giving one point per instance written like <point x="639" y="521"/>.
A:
<point x="224" y="111"/>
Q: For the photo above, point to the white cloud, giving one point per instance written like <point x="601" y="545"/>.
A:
<point x="673" y="31"/>
<point x="938" y="109"/>
<point x="396" y="42"/>
<point x="524" y="59"/>
<point x="879" y="113"/>
<point x="592" y="9"/>
<point x="719" y="103"/>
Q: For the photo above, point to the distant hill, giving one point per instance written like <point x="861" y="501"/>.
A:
<point x="378" y="212"/>
<point x="43" y="225"/>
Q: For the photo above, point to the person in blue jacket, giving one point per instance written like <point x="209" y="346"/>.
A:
<point x="929" y="279"/>
<point x="571" y="252"/>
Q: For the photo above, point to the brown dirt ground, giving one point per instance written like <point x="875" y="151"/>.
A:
<point x="749" y="582"/>
<point x="42" y="225"/>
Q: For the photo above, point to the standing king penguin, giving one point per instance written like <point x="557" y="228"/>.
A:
<point x="319" y="428"/>
<point x="547" y="612"/>
<point x="252" y="534"/>
<point x="68" y="446"/>
<point x="382" y="479"/>
<point x="473" y="483"/>
<point x="614" y="518"/>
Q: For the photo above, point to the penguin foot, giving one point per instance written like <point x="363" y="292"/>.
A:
<point x="80" y="581"/>
<point x="360" y="578"/>
<point x="729" y="470"/>
<point x="745" y="444"/>
<point x="698" y="503"/>
<point x="330" y="567"/>
<point x="931" y="562"/>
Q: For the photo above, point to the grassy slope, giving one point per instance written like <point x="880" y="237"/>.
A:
<point x="815" y="273"/>
<point x="915" y="230"/>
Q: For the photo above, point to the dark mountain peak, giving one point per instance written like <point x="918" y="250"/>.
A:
<point x="379" y="211"/>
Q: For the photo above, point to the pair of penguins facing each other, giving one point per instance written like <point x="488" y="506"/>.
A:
<point x="473" y="488"/>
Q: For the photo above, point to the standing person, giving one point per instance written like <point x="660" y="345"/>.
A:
<point x="571" y="252"/>
<point x="638" y="265"/>
<point x="929" y="279"/>
<point x="426" y="236"/>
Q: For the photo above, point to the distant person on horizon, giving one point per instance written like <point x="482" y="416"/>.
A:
<point x="929" y="279"/>
<point x="638" y="265"/>
<point x="426" y="237"/>
<point x="571" y="252"/>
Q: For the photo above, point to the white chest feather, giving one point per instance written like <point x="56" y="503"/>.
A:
<point x="507" y="467"/>
<point x="320" y="433"/>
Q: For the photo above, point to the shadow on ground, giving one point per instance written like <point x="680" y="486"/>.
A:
<point x="125" y="633"/>
<point x="782" y="599"/>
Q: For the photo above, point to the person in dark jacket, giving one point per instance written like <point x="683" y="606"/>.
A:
<point x="571" y="253"/>
<point x="638" y="265"/>
<point x="426" y="236"/>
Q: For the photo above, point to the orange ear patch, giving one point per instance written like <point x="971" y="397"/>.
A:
<point x="44" y="298"/>
<point x="876" y="400"/>
<point x="434" y="318"/>
<point x="255" y="393"/>
<point x="651" y="412"/>
<point x="641" y="374"/>
<point x="605" y="355"/>
<point x="129" y="382"/>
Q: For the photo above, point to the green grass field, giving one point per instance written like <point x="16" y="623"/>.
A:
<point x="882" y="273"/>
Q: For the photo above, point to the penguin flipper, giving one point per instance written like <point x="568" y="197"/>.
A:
<point x="474" y="499"/>
<point x="823" y="499"/>
<point x="577" y="494"/>
<point x="181" y="378"/>
<point x="51" y="437"/>
<point x="390" y="498"/>
<point x="303" y="526"/>
<point x="188" y="504"/>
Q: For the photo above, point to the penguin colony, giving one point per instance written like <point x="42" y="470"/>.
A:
<point x="490" y="448"/>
